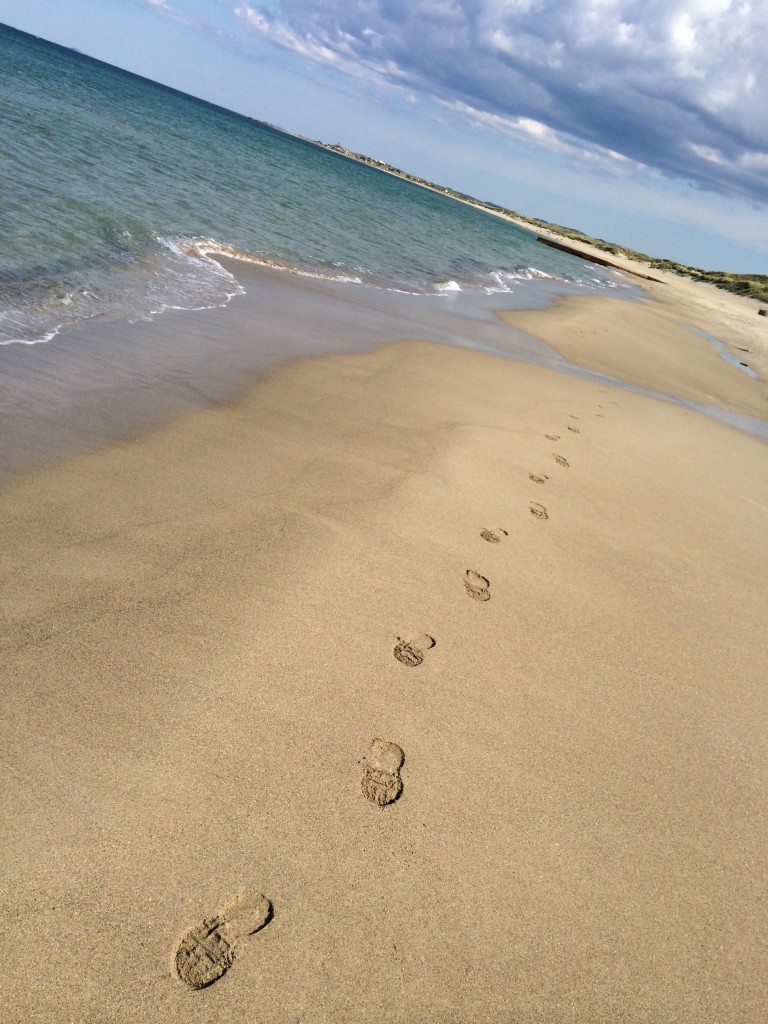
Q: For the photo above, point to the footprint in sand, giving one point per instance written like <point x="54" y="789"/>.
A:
<point x="494" y="536"/>
<point x="538" y="510"/>
<point x="560" y="460"/>
<point x="207" y="951"/>
<point x="538" y="479"/>
<point x="552" y="437"/>
<point x="476" y="585"/>
<point x="574" y="417"/>
<point x="410" y="650"/>
<point x="381" y="776"/>
<point x="574" y="430"/>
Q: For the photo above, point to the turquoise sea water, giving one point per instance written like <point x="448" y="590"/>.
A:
<point x="118" y="192"/>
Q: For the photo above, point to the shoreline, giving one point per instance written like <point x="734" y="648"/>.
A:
<point x="733" y="318"/>
<point x="547" y="233"/>
<point x="104" y="381"/>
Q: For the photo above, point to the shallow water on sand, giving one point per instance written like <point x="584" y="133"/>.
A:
<point x="101" y="381"/>
<point x="117" y="191"/>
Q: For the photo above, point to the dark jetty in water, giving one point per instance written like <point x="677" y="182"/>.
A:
<point x="595" y="259"/>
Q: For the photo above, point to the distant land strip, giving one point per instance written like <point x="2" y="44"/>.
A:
<point x="753" y="286"/>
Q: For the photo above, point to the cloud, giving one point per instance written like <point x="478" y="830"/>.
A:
<point x="178" y="11"/>
<point x="339" y="53"/>
<point x="169" y="10"/>
<point x="678" y="85"/>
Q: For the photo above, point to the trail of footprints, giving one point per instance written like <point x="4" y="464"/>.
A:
<point x="207" y="950"/>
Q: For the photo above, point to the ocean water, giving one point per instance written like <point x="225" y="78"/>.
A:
<point x="118" y="194"/>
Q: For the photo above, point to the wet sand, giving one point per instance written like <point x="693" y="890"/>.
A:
<point x="657" y="344"/>
<point x="104" y="380"/>
<point x="199" y="638"/>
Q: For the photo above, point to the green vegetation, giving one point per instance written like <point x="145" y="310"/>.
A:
<point x="754" y="286"/>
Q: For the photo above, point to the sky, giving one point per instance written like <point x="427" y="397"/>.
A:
<point x="643" y="122"/>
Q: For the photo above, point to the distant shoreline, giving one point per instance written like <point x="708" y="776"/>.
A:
<point x="752" y="286"/>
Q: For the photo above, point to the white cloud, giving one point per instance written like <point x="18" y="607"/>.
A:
<point x="707" y="153"/>
<point x="251" y="18"/>
<point x="542" y="136"/>
<point x="170" y="11"/>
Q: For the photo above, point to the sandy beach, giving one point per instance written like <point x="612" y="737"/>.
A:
<point x="198" y="643"/>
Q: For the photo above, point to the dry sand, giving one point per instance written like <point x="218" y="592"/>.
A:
<point x="198" y="652"/>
